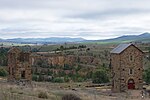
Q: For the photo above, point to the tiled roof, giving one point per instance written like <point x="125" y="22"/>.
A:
<point x="120" y="48"/>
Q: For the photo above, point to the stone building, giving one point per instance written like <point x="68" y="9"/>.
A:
<point x="19" y="65"/>
<point x="126" y="67"/>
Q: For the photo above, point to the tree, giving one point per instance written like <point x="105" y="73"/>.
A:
<point x="35" y="77"/>
<point x="147" y="75"/>
<point x="3" y="72"/>
<point x="61" y="48"/>
<point x="66" y="78"/>
<point x="89" y="75"/>
<point x="100" y="76"/>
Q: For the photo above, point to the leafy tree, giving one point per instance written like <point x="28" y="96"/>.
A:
<point x="3" y="56"/>
<point x="78" y="68"/>
<point x="50" y="72"/>
<point x="100" y="76"/>
<point x="3" y="72"/>
<point x="61" y="48"/>
<point x="147" y="76"/>
<point x="35" y="77"/>
<point x="80" y="79"/>
<point x="67" y="67"/>
<point x="40" y="78"/>
<point x="66" y="79"/>
<point x="89" y="75"/>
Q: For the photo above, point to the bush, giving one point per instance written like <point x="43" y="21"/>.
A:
<point x="3" y="72"/>
<point x="58" y="80"/>
<point x="80" y="79"/>
<point x="70" y="97"/>
<point x="43" y="95"/>
<point x="147" y="76"/>
<point x="100" y="76"/>
<point x="35" y="77"/>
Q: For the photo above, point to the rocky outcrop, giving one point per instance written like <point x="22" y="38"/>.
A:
<point x="61" y="60"/>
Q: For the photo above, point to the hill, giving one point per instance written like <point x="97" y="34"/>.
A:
<point x="42" y="40"/>
<point x="145" y="37"/>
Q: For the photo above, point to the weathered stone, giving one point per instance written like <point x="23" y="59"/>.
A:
<point x="19" y="65"/>
<point x="127" y="66"/>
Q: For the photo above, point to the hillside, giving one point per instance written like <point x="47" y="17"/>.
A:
<point x="145" y="37"/>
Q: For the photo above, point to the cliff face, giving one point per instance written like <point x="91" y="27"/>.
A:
<point x="60" y="60"/>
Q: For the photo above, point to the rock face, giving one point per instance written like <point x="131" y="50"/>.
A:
<point x="19" y="65"/>
<point x="61" y="60"/>
<point x="126" y="67"/>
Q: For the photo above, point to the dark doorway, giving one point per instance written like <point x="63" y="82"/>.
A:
<point x="131" y="84"/>
<point x="23" y="74"/>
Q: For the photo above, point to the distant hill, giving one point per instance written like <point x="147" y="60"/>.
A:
<point x="42" y="40"/>
<point x="145" y="37"/>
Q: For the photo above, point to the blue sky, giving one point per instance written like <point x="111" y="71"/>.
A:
<point x="89" y="19"/>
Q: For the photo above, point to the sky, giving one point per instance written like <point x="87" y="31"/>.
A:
<point x="89" y="19"/>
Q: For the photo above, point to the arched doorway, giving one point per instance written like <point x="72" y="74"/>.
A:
<point x="131" y="84"/>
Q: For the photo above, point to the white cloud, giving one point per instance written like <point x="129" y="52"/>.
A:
<point x="90" y="19"/>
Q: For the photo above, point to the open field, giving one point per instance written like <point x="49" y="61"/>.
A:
<point x="55" y="91"/>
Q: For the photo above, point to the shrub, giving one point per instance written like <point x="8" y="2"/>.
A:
<point x="58" y="80"/>
<point x="146" y="76"/>
<point x="3" y="72"/>
<point x="70" y="97"/>
<point x="100" y="76"/>
<point x="43" y="95"/>
<point x="35" y="77"/>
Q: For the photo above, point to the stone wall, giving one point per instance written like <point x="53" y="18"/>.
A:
<point x="19" y="65"/>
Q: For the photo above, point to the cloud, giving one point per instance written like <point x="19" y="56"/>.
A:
<point x="90" y="19"/>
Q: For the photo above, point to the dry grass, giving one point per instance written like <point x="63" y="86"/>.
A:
<point x="53" y="91"/>
<point x="57" y="91"/>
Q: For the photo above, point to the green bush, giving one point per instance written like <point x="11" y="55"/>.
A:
<point x="43" y="95"/>
<point x="80" y="79"/>
<point x="100" y="76"/>
<point x="3" y="72"/>
<point x="146" y="76"/>
<point x="58" y="80"/>
<point x="35" y="77"/>
<point x="66" y="79"/>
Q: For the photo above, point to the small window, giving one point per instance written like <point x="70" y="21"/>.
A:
<point x="23" y="74"/>
<point x="139" y="69"/>
<point x="130" y="71"/>
<point x="131" y="58"/>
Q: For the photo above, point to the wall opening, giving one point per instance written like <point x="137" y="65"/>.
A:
<point x="22" y="74"/>
<point x="131" y="84"/>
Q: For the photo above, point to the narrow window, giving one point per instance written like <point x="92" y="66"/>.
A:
<point x="13" y="72"/>
<point x="131" y="58"/>
<point x="23" y="74"/>
<point x="130" y="71"/>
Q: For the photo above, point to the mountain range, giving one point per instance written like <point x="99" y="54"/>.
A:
<point x="145" y="37"/>
<point x="43" y="40"/>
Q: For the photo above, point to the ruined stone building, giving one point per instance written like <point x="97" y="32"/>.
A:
<point x="19" y="65"/>
<point x="126" y="67"/>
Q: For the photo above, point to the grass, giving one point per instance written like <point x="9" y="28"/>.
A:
<point x="42" y="91"/>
